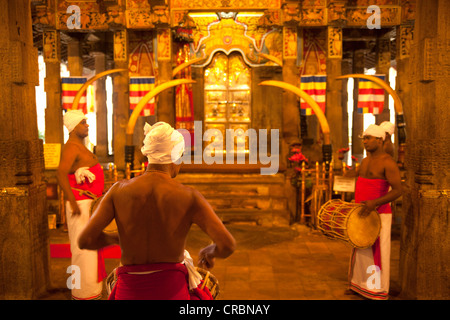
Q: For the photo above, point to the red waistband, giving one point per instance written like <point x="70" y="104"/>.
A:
<point x="152" y="267"/>
<point x="96" y="186"/>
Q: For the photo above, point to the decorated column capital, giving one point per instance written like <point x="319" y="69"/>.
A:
<point x="334" y="42"/>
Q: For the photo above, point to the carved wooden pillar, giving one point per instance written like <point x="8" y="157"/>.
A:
<point x="383" y="66"/>
<point x="101" y="148"/>
<point x="166" y="103"/>
<point x="291" y="114"/>
<point x="358" y="119"/>
<point x="52" y="84"/>
<point x="402" y="81"/>
<point x="120" y="97"/>
<point x="334" y="109"/>
<point x="24" y="266"/>
<point x="424" y="248"/>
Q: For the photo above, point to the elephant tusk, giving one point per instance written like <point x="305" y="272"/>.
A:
<point x="83" y="88"/>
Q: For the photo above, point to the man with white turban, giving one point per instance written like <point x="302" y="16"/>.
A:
<point x="377" y="185"/>
<point x="81" y="178"/>
<point x="162" y="143"/>
<point x="389" y="128"/>
<point x="154" y="214"/>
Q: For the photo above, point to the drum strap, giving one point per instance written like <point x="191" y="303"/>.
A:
<point x="86" y="193"/>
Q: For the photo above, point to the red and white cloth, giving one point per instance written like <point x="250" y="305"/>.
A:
<point x="89" y="264"/>
<point x="369" y="271"/>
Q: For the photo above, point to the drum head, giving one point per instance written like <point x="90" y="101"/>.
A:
<point x="363" y="231"/>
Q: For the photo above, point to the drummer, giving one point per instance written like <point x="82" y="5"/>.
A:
<point x="81" y="178"/>
<point x="378" y="183"/>
<point x="154" y="214"/>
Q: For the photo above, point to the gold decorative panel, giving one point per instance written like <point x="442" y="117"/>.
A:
<point x="227" y="93"/>
<point x="235" y="32"/>
<point x="225" y="4"/>
<point x="390" y="16"/>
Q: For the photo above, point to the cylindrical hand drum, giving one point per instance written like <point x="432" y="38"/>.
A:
<point x="210" y="281"/>
<point x="112" y="227"/>
<point x="341" y="220"/>
<point x="111" y="281"/>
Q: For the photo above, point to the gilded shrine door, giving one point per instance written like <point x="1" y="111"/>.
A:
<point x="227" y="103"/>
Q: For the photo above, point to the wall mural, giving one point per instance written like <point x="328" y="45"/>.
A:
<point x="314" y="52"/>
<point x="141" y="60"/>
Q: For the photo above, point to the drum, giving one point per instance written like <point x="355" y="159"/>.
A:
<point x="340" y="220"/>
<point x="111" y="280"/>
<point x="210" y="281"/>
<point x="112" y="227"/>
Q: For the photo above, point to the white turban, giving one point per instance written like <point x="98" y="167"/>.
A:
<point x="388" y="127"/>
<point x="162" y="143"/>
<point x="72" y="118"/>
<point x="375" y="131"/>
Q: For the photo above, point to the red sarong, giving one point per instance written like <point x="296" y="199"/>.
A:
<point x="370" y="189"/>
<point x="96" y="186"/>
<point x="169" y="282"/>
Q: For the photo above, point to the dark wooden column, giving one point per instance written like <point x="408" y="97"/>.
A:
<point x="101" y="148"/>
<point x="334" y="109"/>
<point x="53" y="113"/>
<point x="424" y="248"/>
<point x="383" y="66"/>
<point x="120" y="98"/>
<point x="24" y="238"/>
<point x="74" y="57"/>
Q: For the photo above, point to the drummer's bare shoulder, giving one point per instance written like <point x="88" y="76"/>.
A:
<point x="78" y="155"/>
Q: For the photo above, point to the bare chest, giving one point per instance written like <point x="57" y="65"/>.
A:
<point x="372" y="169"/>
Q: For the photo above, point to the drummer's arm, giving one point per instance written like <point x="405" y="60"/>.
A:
<point x="93" y="237"/>
<point x="392" y="173"/>
<point x="223" y="244"/>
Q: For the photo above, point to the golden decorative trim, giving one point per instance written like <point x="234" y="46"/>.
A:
<point x="13" y="191"/>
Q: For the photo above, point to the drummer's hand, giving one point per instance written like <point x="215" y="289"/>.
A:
<point x="75" y="208"/>
<point x="206" y="259"/>
<point x="369" y="206"/>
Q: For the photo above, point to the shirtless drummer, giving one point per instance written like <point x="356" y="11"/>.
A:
<point x="154" y="214"/>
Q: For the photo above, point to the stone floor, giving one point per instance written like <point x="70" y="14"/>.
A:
<point x="277" y="263"/>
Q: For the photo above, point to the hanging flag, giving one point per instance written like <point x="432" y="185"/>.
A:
<point x="70" y="87"/>
<point x="316" y="87"/>
<point x="370" y="96"/>
<point x="139" y="87"/>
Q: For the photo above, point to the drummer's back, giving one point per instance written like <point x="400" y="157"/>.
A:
<point x="153" y="219"/>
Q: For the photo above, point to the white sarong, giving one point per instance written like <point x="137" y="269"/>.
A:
<point x="87" y="286"/>
<point x="365" y="276"/>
